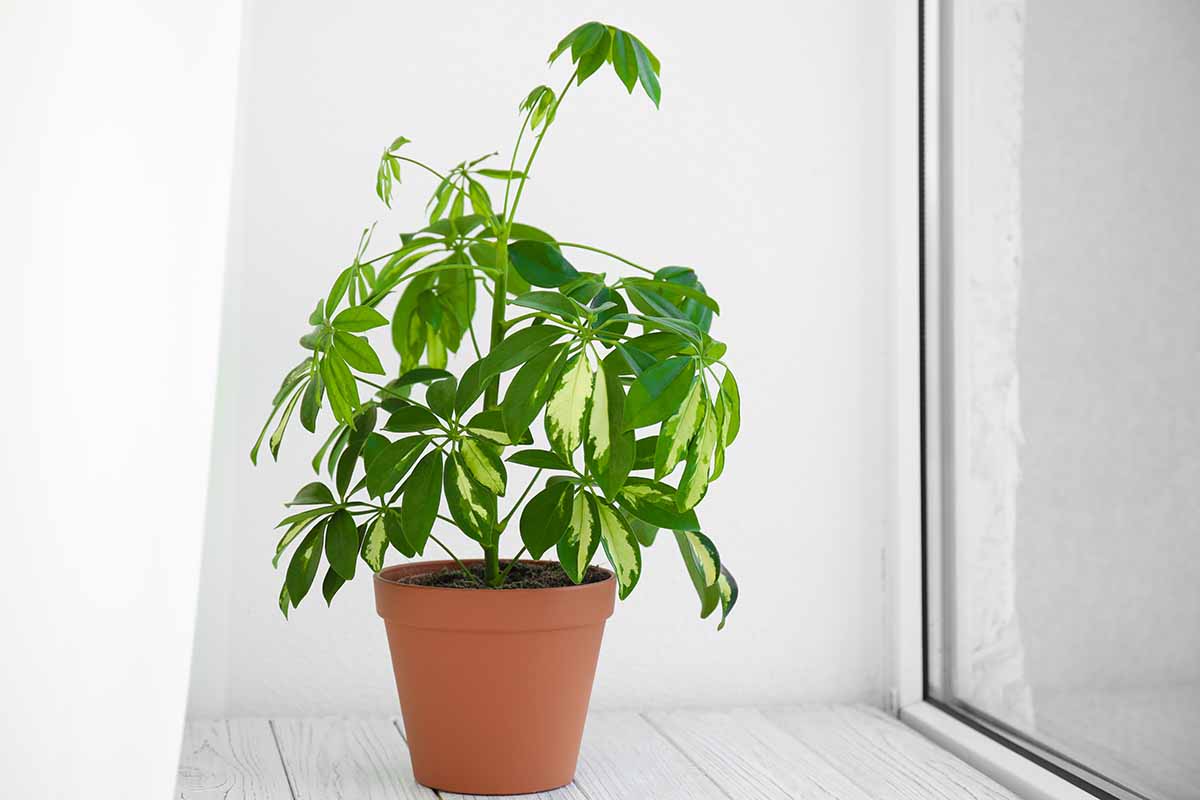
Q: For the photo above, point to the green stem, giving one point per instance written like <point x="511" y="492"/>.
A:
<point x="461" y="565"/>
<point x="491" y="565"/>
<point x="521" y="499"/>
<point x="513" y="161"/>
<point x="512" y="564"/>
<point x="614" y="256"/>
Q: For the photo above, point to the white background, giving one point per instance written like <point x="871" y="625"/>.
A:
<point x="766" y="170"/>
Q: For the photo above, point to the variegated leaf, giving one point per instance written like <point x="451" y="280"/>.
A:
<point x="703" y="566"/>
<point x="599" y="437"/>
<point x="577" y="547"/>
<point x="485" y="465"/>
<point x="375" y="544"/>
<point x="678" y="430"/>
<point x="694" y="482"/>
<point x="728" y="589"/>
<point x="568" y="407"/>
<point x="718" y="461"/>
<point x="621" y="547"/>
<point x="471" y="505"/>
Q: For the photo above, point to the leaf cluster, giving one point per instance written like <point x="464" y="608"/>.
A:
<point x="610" y="388"/>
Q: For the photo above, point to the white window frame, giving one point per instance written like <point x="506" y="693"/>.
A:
<point x="917" y="244"/>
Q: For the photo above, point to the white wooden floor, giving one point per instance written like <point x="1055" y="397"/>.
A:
<point x="847" y="753"/>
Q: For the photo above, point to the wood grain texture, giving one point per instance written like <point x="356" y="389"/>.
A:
<point x="749" y="757"/>
<point x="347" y="759"/>
<point x="230" y="760"/>
<point x="885" y="758"/>
<point x="625" y="757"/>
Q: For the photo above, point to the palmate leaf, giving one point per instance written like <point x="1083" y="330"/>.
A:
<point x="485" y="466"/>
<point x="624" y="59"/>
<point x="375" y="543"/>
<point x="728" y="589"/>
<point x="621" y="547"/>
<point x="305" y="561"/>
<point x="290" y="382"/>
<point x="393" y="463"/>
<point x="578" y="545"/>
<point x="567" y="409"/>
<point x="341" y="543"/>
<point x="654" y="502"/>
<point x="541" y="264"/>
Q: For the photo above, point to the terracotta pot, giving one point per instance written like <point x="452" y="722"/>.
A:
<point x="494" y="685"/>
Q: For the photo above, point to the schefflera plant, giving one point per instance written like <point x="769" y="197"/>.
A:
<point x="630" y="385"/>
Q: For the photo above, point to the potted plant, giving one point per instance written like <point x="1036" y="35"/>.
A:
<point x="494" y="658"/>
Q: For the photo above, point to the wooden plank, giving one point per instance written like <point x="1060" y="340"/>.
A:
<point x="230" y="760"/>
<point x="749" y="757"/>
<point x="347" y="759"/>
<point x="885" y="758"/>
<point x="625" y="757"/>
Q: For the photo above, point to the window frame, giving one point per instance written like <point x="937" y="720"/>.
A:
<point x="921" y="111"/>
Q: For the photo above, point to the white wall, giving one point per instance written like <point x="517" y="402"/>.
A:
<point x="765" y="169"/>
<point x="116" y="154"/>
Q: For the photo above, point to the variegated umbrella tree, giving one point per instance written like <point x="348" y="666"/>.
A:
<point x="599" y="358"/>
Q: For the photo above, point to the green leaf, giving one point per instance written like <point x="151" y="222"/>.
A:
<point x="679" y="429"/>
<point x="339" y="434"/>
<point x="647" y="71"/>
<point x="551" y="302"/>
<point x="277" y="436"/>
<point x="586" y="38"/>
<point x="501" y="174"/>
<point x="654" y="502"/>
<point x="357" y="319"/>
<point x="310" y="405"/>
<point x="624" y="59"/>
<point x="338" y="291"/>
<point x="331" y="584"/>
<point x="577" y="547"/>
<point x="440" y="397"/>
<point x="408" y="334"/>
<point x="733" y="407"/>
<point x="646" y="448"/>
<point x="644" y="531"/>
<point x="305" y="561"/>
<point x="341" y="543"/>
<point x="620" y="462"/>
<point x="519" y="347"/>
<point x="340" y="386"/>
<point x="303" y="516"/>
<point x="540" y="263"/>
<point x="393" y="463"/>
<point x="669" y="288"/>
<point x="658" y="392"/>
<point x="475" y="379"/>
<point x="703" y="567"/>
<point x="312" y="494"/>
<point x="357" y="352"/>
<point x="530" y="389"/>
<point x="364" y="425"/>
<point x="567" y="408"/>
<point x="489" y="425"/>
<point x="419" y="375"/>
<point x="621" y="547"/>
<point x="471" y="505"/>
<point x="397" y="535"/>
<point x="728" y="589"/>
<point x="422" y="498"/>
<point x="694" y="482"/>
<point x="374" y="546"/>
<point x="595" y="56"/>
<point x="542" y="459"/>
<point x="285" y="601"/>
<point x="545" y="518"/>
<point x="566" y="43"/>
<point x="484" y="465"/>
<point x="295" y="530"/>
<point x="374" y="445"/>
<point x="411" y="418"/>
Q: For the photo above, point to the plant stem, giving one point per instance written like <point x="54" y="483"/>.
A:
<point x="521" y="499"/>
<point x="491" y="565"/>
<point x="461" y="565"/>
<point x="614" y="256"/>
<point x="512" y="564"/>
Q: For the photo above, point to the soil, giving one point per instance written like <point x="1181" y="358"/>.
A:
<point x="523" y="576"/>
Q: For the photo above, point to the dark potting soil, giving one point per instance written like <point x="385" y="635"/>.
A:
<point x="522" y="576"/>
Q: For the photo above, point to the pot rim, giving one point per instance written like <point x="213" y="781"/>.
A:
<point x="384" y="577"/>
